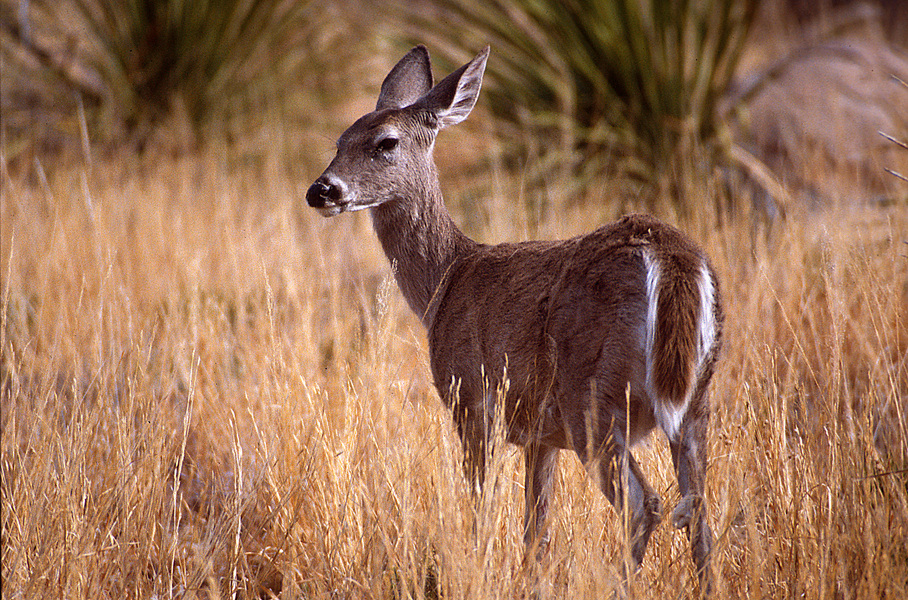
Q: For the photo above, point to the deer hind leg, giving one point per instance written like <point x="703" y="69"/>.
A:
<point x="624" y="485"/>
<point x="689" y="458"/>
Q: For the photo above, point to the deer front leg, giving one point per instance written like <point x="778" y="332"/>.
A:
<point x="689" y="457"/>
<point x="474" y="438"/>
<point x="540" y="466"/>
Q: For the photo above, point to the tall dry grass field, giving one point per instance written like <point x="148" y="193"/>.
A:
<point x="209" y="391"/>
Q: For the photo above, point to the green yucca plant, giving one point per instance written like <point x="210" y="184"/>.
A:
<point x="626" y="84"/>
<point x="139" y="62"/>
<point x="201" y="53"/>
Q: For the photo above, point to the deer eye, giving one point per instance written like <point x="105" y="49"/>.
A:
<point x="386" y="144"/>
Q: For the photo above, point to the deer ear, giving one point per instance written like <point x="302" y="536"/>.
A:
<point x="455" y="95"/>
<point x="409" y="80"/>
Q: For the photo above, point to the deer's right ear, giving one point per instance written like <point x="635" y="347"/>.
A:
<point x="409" y="80"/>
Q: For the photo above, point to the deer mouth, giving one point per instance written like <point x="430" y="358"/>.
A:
<point x="329" y="200"/>
<point x="330" y="210"/>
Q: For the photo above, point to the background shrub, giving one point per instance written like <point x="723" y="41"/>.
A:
<point x="626" y="86"/>
<point x="136" y="64"/>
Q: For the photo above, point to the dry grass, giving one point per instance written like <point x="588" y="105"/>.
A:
<point x="209" y="391"/>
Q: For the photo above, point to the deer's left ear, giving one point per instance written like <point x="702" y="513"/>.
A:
<point x="408" y="81"/>
<point x="455" y="95"/>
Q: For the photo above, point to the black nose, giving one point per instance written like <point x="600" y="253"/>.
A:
<point x="321" y="192"/>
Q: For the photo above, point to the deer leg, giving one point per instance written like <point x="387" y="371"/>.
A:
<point x="474" y="439"/>
<point x="623" y="484"/>
<point x="540" y="466"/>
<point x="689" y="458"/>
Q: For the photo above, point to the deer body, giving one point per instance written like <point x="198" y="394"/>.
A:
<point x="556" y="318"/>
<point x="584" y="344"/>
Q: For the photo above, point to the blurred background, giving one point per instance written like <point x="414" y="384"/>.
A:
<point x="771" y="94"/>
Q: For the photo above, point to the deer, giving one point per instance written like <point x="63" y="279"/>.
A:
<point x="585" y="344"/>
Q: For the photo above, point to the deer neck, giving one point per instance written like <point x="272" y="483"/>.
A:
<point x="422" y="242"/>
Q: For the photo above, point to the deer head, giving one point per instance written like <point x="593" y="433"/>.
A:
<point x="386" y="155"/>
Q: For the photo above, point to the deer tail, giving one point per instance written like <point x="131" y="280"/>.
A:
<point x="682" y="328"/>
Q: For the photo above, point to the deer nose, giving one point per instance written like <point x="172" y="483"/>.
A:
<point x="321" y="193"/>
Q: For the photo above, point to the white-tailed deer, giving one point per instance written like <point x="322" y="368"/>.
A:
<point x="601" y="337"/>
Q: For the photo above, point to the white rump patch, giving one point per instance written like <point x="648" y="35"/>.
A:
<point x="667" y="415"/>
<point x="706" y="323"/>
<point x="653" y="274"/>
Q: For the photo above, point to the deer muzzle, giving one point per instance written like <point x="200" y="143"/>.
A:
<point x="326" y="197"/>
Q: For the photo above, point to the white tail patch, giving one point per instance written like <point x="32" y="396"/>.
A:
<point x="668" y="414"/>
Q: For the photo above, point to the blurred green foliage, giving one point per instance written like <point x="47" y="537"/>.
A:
<point x="626" y="85"/>
<point x="582" y="87"/>
<point x="150" y="51"/>
<point x="205" y="57"/>
<point x="138" y="63"/>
